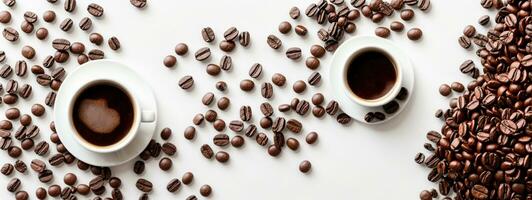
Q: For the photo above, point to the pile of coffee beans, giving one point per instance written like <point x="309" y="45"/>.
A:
<point x="484" y="148"/>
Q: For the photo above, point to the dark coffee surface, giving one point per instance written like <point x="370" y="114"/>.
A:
<point x="371" y="75"/>
<point x="103" y="114"/>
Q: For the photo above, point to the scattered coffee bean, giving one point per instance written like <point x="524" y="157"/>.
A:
<point x="96" y="38"/>
<point x="231" y="34"/>
<point x="203" y="54"/>
<point x="464" y="42"/>
<point x="165" y="164"/>
<point x="114" y="43"/>
<point x="343" y="118"/>
<point x="274" y="42"/>
<point x="305" y="166"/>
<point x="445" y="90"/>
<point x="301" y="30"/>
<point x="294" y="12"/>
<point x="5" y="17"/>
<point x="261" y="139"/>
<point x="213" y="69"/>
<point x="86" y="24"/>
<point x="10" y="34"/>
<point x="227" y="46"/>
<point x="267" y="90"/>
<point x="95" y="10"/>
<point x="223" y="103"/>
<point x="278" y="79"/>
<point x="293" y="53"/>
<point x="247" y="85"/>
<point x="255" y="71"/>
<point x="66" y="24"/>
<point x="414" y="34"/>
<point x="48" y="16"/>
<point x="457" y="87"/>
<point x="173" y="185"/>
<point x="299" y="86"/>
<point x="208" y="34"/>
<point x="190" y="133"/>
<point x="244" y="38"/>
<point x="138" y="3"/>
<point x="420" y="158"/>
<point x="70" y="5"/>
<point x="198" y="119"/>
<point x="13" y="184"/>
<point x="397" y="26"/>
<point x="206" y="151"/>
<point x="312" y="63"/>
<point x="311" y="137"/>
<point x="144" y="185"/>
<point x="484" y="19"/>
<point x="205" y="190"/>
<point x="186" y="82"/>
<point x="222" y="156"/>
<point x="314" y="78"/>
<point x="382" y="32"/>
<point x="407" y="14"/>
<point x="96" y="54"/>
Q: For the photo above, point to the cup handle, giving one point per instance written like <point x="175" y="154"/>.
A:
<point x="147" y="116"/>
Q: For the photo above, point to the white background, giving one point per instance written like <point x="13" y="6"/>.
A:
<point x="349" y="162"/>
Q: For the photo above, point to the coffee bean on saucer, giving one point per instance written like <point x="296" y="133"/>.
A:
<point x="299" y="86"/>
<point x="205" y="190"/>
<point x="255" y="71"/>
<point x="223" y="103"/>
<point x="66" y="24"/>
<point x="402" y="95"/>
<point x="86" y="24"/>
<point x="222" y="156"/>
<point x="95" y="10"/>
<point x="312" y="62"/>
<point x="144" y="185"/>
<point x="278" y="79"/>
<point x="173" y="185"/>
<point x="96" y="38"/>
<point x="382" y="32"/>
<point x="5" y="17"/>
<point x="445" y="90"/>
<point x="190" y="133"/>
<point x="305" y="166"/>
<point x="48" y="16"/>
<point x="181" y="49"/>
<point x="414" y="34"/>
<point x="391" y="107"/>
<point x="186" y="82"/>
<point x="244" y="38"/>
<point x="227" y="46"/>
<point x="10" y="34"/>
<point x="165" y="164"/>
<point x="206" y="151"/>
<point x="114" y="43"/>
<point x="247" y="85"/>
<point x="274" y="42"/>
<point x="293" y="53"/>
<point x="407" y="14"/>
<point x="138" y="3"/>
<point x="285" y="27"/>
<point x="166" y="133"/>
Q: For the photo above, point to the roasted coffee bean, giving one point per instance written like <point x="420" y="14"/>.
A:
<point x="70" y="5"/>
<point x="169" y="148"/>
<point x="397" y="26"/>
<point x="41" y="33"/>
<point x="285" y="27"/>
<point x="250" y="130"/>
<point x="467" y="66"/>
<point x="47" y="63"/>
<point x="244" y="38"/>
<point x="317" y="51"/>
<point x="165" y="164"/>
<point x="138" y="167"/>
<point x="5" y="143"/>
<point x="407" y="14"/>
<point x="86" y="24"/>
<point x="464" y="42"/>
<point x="10" y="99"/>
<point x="20" y="68"/>
<point x="312" y="10"/>
<point x="245" y="113"/>
<point x="226" y="62"/>
<point x="278" y="79"/>
<point x="266" y="122"/>
<point x="293" y="53"/>
<point x="173" y="185"/>
<point x="95" y="10"/>
<point x="169" y="61"/>
<point x="267" y="90"/>
<point x="70" y="179"/>
<point x="54" y="190"/>
<point x="221" y="139"/>
<point x="41" y="148"/>
<point x="299" y="86"/>
<point x="223" y="103"/>
<point x="236" y="126"/>
<point x="484" y="19"/>
<point x="5" y="17"/>
<point x="402" y="95"/>
<point x="138" y="3"/>
<point x="48" y="16"/>
<point x="331" y="45"/>
<point x="208" y="98"/>
<point x="305" y="166"/>
<point x="96" y="38"/>
<point x="10" y="34"/>
<point x="343" y="118"/>
<point x="57" y="159"/>
<point x="292" y="143"/>
<point x="213" y="69"/>
<point x="227" y="46"/>
<point x="318" y="111"/>
<point x="58" y="73"/>
<point x="278" y="124"/>
<point x="26" y="27"/>
<point x="284" y="108"/>
<point x="36" y="69"/>
<point x="302" y="107"/>
<point x="274" y="42"/>
<point x="247" y="85"/>
<point x="198" y="119"/>
<point x="424" y="5"/>
<point x="414" y="34"/>
<point x="221" y="86"/>
<point x="203" y="54"/>
<point x="208" y="34"/>
<point x="314" y="78"/>
<point x="445" y="90"/>
<point x="186" y="82"/>
<point x="255" y="71"/>
<point x="6" y="71"/>
<point x="114" y="43"/>
<point x="205" y="190"/>
<point x="20" y="166"/>
<point x="382" y="32"/>
<point x="12" y="113"/>
<point x="25" y="120"/>
<point x="266" y="109"/>
<point x="181" y="49"/>
<point x="66" y="24"/>
<point x="206" y="151"/>
<point x="231" y="34"/>
<point x="332" y="107"/>
<point x="14" y="152"/>
<point x="391" y="107"/>
<point x="2" y="56"/>
<point x="189" y="133"/>
<point x="420" y="158"/>
<point x="96" y="54"/>
<point x="7" y="169"/>
<point x="457" y="87"/>
<point x="262" y="139"/>
<point x="13" y="184"/>
<point x="312" y="63"/>
<point x="294" y="12"/>
<point x="469" y="31"/>
<point x="294" y="126"/>
<point x="144" y="185"/>
<point x="44" y="79"/>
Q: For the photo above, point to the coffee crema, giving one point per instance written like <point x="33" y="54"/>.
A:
<point x="371" y="74"/>
<point x="103" y="114"/>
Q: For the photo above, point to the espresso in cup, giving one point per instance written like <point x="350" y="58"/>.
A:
<point x="371" y="74"/>
<point x="103" y="114"/>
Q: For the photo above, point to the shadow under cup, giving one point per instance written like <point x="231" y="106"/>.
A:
<point x="104" y="116"/>
<point x="371" y="76"/>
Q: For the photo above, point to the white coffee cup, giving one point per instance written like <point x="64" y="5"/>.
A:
<point x="140" y="116"/>
<point x="386" y="98"/>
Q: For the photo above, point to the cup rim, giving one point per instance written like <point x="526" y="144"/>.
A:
<point x="390" y="95"/>
<point x="122" y="142"/>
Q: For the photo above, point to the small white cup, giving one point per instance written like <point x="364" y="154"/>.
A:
<point x="140" y="116"/>
<point x="390" y="95"/>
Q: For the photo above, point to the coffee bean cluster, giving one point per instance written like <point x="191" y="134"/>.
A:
<point x="483" y="149"/>
<point x="50" y="72"/>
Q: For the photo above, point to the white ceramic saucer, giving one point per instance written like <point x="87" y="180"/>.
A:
<point x="350" y="107"/>
<point x="118" y="71"/>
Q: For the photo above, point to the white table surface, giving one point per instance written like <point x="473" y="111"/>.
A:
<point x="349" y="162"/>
